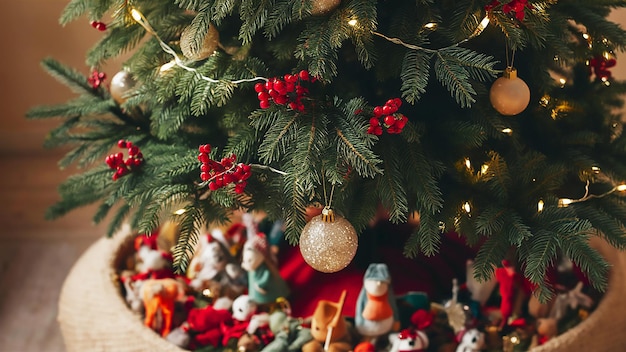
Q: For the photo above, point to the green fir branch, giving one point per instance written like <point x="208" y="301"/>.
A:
<point x="455" y="78"/>
<point x="415" y="74"/>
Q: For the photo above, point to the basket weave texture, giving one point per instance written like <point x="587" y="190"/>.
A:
<point x="93" y="315"/>
<point x="603" y="330"/>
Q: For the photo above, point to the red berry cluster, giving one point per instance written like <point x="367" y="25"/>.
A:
<point x="99" y="26"/>
<point x="515" y="7"/>
<point x="96" y="78"/>
<point x="287" y="91"/>
<point x="221" y="174"/>
<point x="387" y="116"/>
<point x="600" y="67"/>
<point x="124" y="167"/>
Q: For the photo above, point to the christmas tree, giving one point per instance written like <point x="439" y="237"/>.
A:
<point x="494" y="120"/>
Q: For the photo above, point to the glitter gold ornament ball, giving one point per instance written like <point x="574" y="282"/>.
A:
<point x="322" y="7"/>
<point x="121" y="84"/>
<point x="328" y="242"/>
<point x="207" y="47"/>
<point x="509" y="94"/>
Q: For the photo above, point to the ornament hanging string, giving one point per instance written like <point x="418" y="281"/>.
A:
<point x="509" y="61"/>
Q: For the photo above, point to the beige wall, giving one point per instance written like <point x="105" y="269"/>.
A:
<point x="29" y="32"/>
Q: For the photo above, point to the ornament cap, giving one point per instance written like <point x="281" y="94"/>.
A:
<point x="510" y="72"/>
<point x="328" y="215"/>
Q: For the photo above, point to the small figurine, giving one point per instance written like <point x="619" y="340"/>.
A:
<point x="265" y="285"/>
<point x="329" y="328"/>
<point x="413" y="338"/>
<point x="203" y="327"/>
<point x="160" y="296"/>
<point x="472" y="340"/>
<point x="247" y="322"/>
<point x="572" y="299"/>
<point x="214" y="264"/>
<point x="376" y="309"/>
<point x="289" y="334"/>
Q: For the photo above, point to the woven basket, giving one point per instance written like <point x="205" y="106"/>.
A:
<point x="93" y="315"/>
<point x="602" y="331"/>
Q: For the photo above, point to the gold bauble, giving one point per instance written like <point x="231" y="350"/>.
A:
<point x="322" y="7"/>
<point x="328" y="242"/>
<point x="122" y="83"/>
<point x="206" y="49"/>
<point x="509" y="94"/>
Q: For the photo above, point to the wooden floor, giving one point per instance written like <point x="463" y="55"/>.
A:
<point x="35" y="254"/>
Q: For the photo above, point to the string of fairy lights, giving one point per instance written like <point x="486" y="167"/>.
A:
<point x="466" y="206"/>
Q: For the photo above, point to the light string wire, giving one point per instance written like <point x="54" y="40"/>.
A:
<point x="143" y="21"/>
<point x="563" y="202"/>
<point x="481" y="27"/>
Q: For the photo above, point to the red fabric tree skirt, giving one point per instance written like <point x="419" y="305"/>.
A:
<point x="382" y="244"/>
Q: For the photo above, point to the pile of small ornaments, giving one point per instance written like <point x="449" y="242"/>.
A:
<point x="233" y="298"/>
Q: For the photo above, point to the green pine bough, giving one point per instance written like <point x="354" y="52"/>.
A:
<point x="309" y="99"/>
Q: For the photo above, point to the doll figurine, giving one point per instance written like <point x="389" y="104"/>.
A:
<point x="159" y="297"/>
<point x="329" y="328"/>
<point x="376" y="311"/>
<point x="265" y="285"/>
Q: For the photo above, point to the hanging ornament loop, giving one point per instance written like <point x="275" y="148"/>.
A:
<point x="510" y="72"/>
<point x="328" y="215"/>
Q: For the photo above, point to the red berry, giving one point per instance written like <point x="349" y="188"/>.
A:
<point x="263" y="95"/>
<point x="133" y="150"/>
<point x="213" y="186"/>
<point x="280" y="87"/>
<point x="401" y="122"/>
<point x="264" y="104"/>
<point x="228" y="178"/>
<point x="280" y="100"/>
<point x="390" y="120"/>
<point x="293" y="105"/>
<point x="205" y="148"/>
<point x="273" y="93"/>
<point x="121" y="143"/>
<point x="205" y="176"/>
<point x="304" y="75"/>
<point x="137" y="162"/>
<point x="205" y="168"/>
<point x="398" y="102"/>
<point x="259" y="87"/>
<point x="203" y="158"/>
<point x="139" y="155"/>
<point x="387" y="110"/>
<point x="269" y="85"/>
<point x="390" y="102"/>
<point x="378" y="111"/>
<point x="289" y="78"/>
<point x="290" y="87"/>
<point x="129" y="162"/>
<point x="374" y="121"/>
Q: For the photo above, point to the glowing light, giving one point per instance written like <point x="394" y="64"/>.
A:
<point x="430" y="25"/>
<point x="507" y="131"/>
<point x="595" y="169"/>
<point x="586" y="36"/>
<point x="545" y="100"/>
<point x="483" y="24"/>
<point x="564" y="202"/>
<point x="468" y="164"/>
<point x="180" y="211"/>
<point x="353" y="22"/>
<point x="540" y="205"/>
<point x="606" y="82"/>
<point x="484" y="168"/>
<point x="562" y="81"/>
<point x="621" y="188"/>
<point x="515" y="340"/>
<point x="467" y="207"/>
<point x="137" y="16"/>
